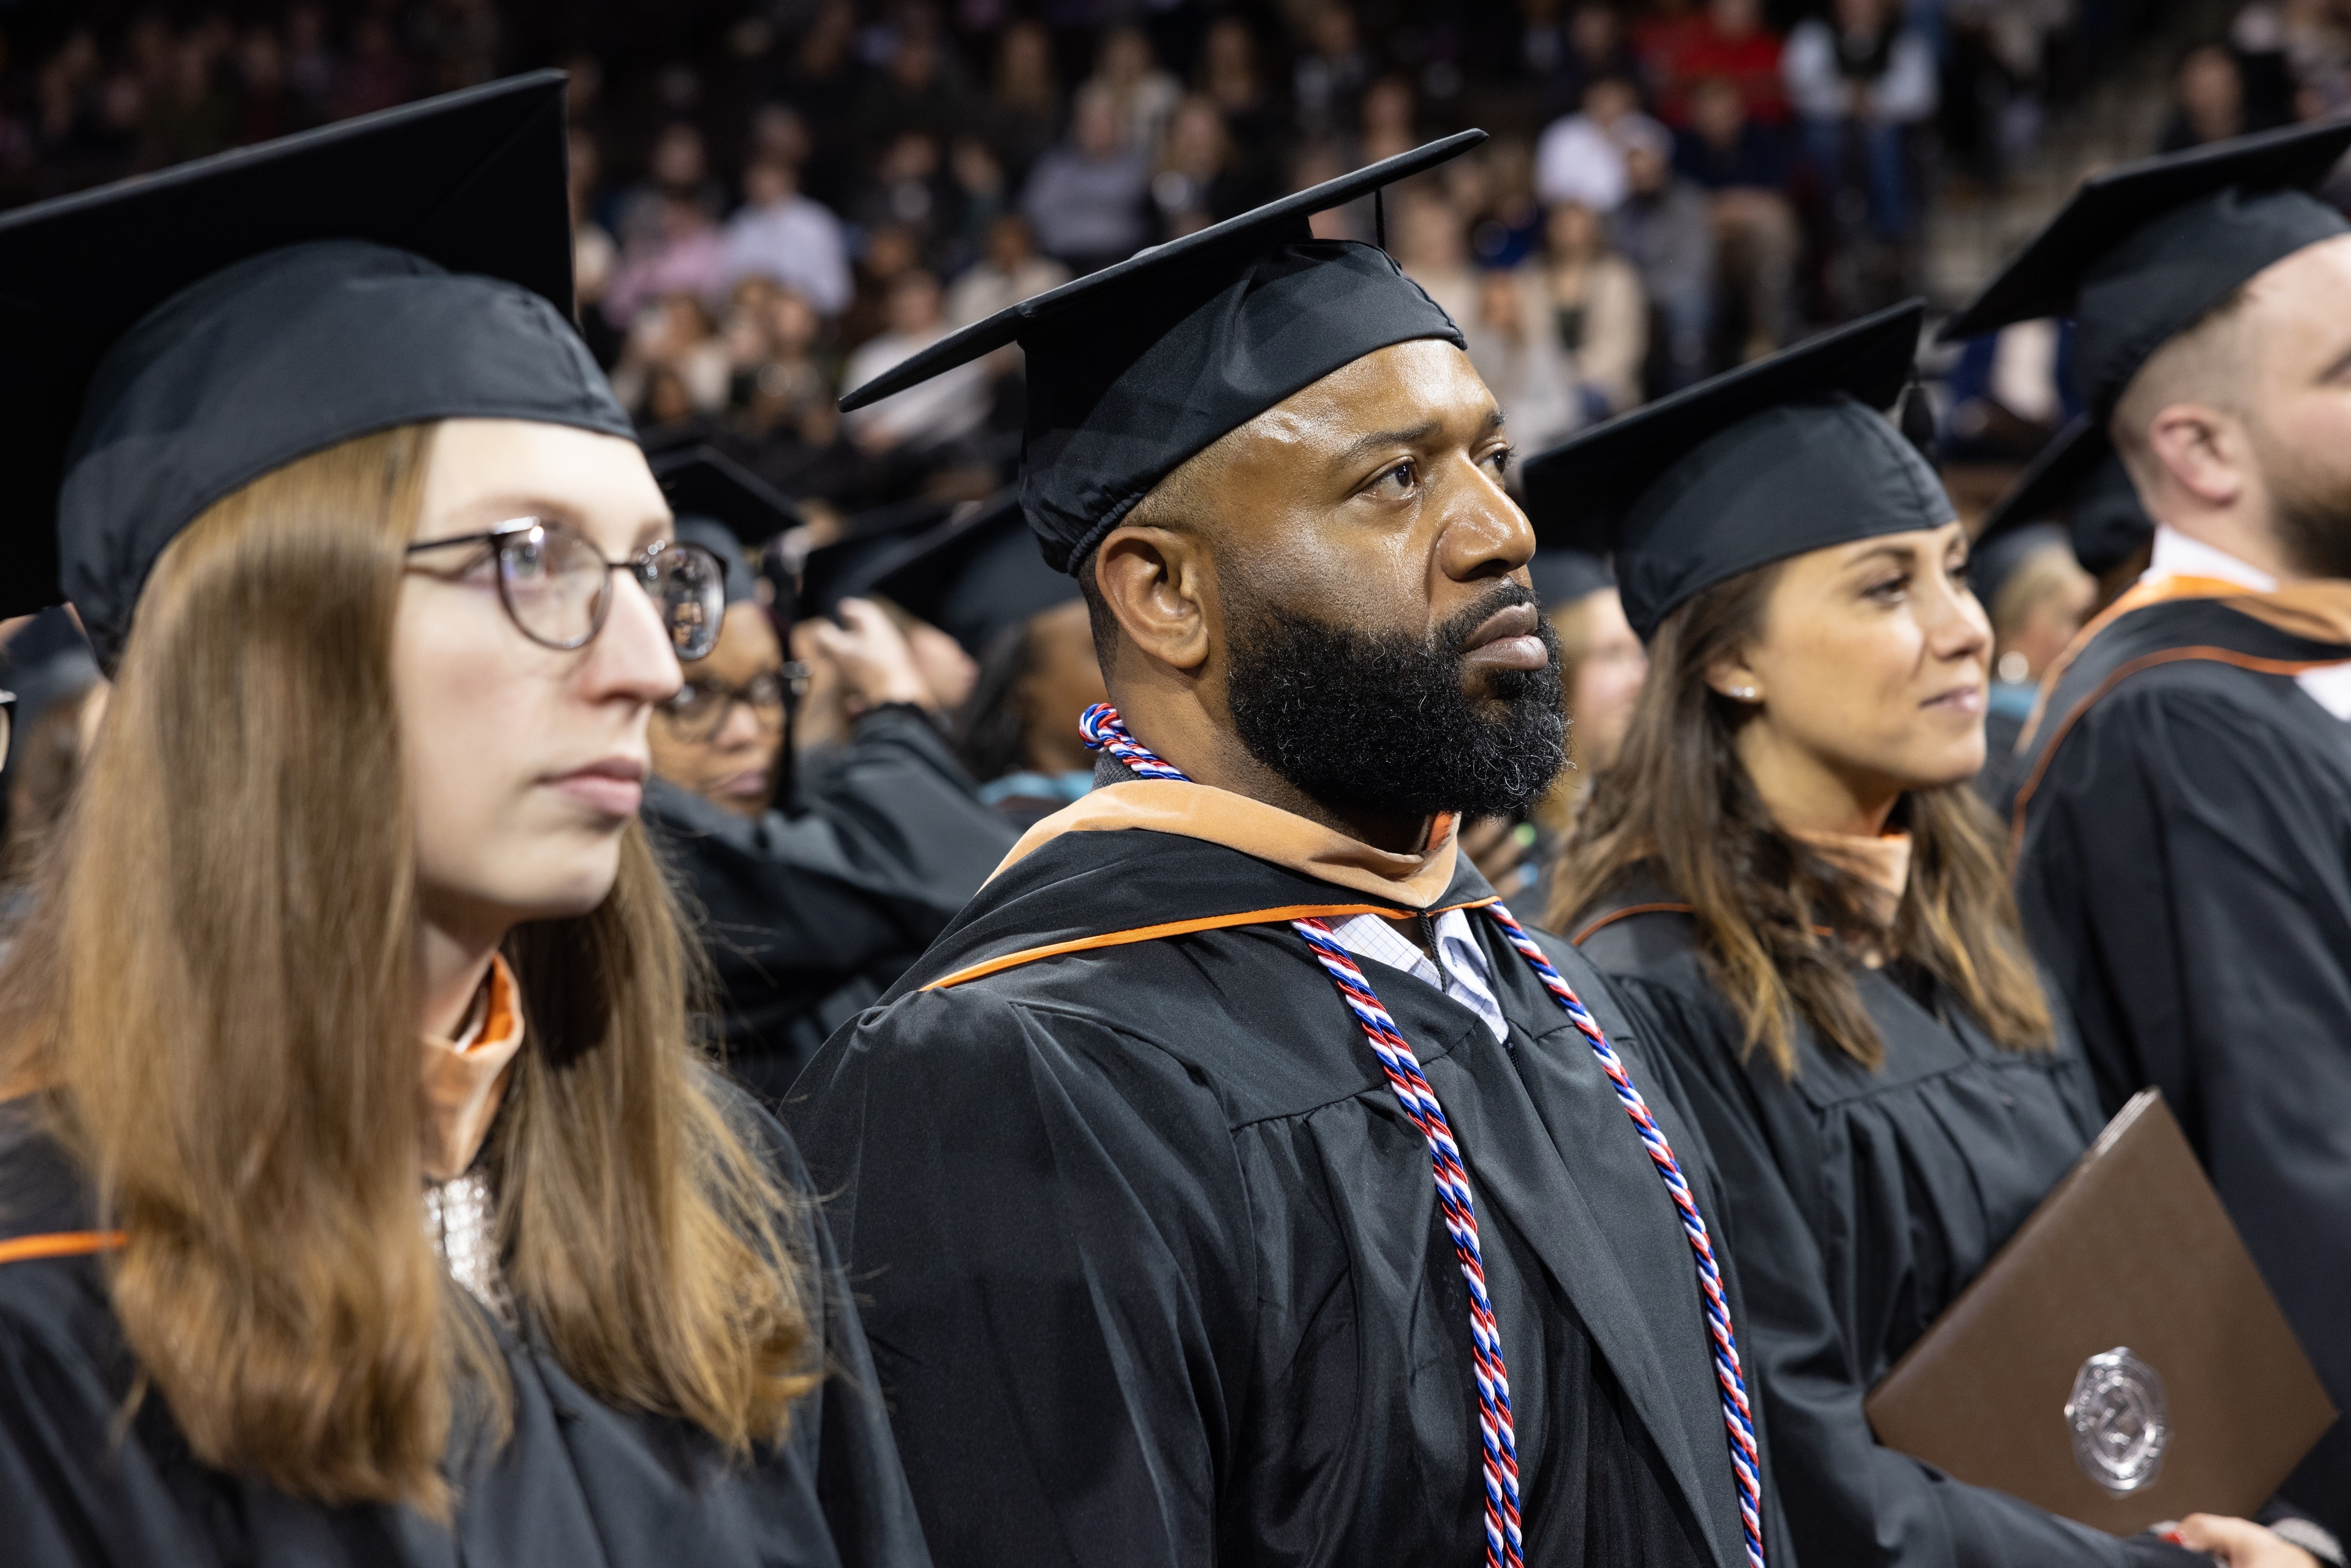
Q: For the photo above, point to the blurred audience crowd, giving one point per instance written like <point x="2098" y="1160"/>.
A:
<point x="776" y="201"/>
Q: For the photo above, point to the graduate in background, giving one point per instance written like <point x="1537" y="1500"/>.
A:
<point x="2041" y="582"/>
<point x="1601" y="663"/>
<point x="1786" y="868"/>
<point x="2035" y="597"/>
<point x="368" y="1199"/>
<point x="807" y="909"/>
<point x="1233" y="1180"/>
<point x="978" y="576"/>
<point x="2184" y="801"/>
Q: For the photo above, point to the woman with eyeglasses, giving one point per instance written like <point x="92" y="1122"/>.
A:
<point x="365" y="1195"/>
<point x="809" y="907"/>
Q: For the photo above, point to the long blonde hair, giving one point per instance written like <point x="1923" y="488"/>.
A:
<point x="219" y="995"/>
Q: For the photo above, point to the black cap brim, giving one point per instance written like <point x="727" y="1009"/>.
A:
<point x="2110" y="205"/>
<point x="2045" y="489"/>
<point x="474" y="181"/>
<point x="1239" y="236"/>
<point x="975" y="576"/>
<point x="700" y="481"/>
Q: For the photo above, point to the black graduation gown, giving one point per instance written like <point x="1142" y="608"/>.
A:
<point x="808" y="918"/>
<point x="1154" y="1263"/>
<point x="2185" y="873"/>
<point x="578" y="1485"/>
<point x="1861" y="1203"/>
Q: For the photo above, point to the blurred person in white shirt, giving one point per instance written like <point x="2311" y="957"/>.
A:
<point x="791" y="238"/>
<point x="931" y="413"/>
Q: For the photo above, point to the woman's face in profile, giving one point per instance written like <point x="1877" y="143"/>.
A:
<point x="525" y="763"/>
<point x="1870" y="670"/>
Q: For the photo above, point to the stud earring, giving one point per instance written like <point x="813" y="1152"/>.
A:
<point x="1744" y="693"/>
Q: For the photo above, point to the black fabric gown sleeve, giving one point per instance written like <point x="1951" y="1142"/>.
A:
<point x="1849" y="1502"/>
<point x="1066" y="1305"/>
<point x="2185" y="877"/>
<point x="860" y="1483"/>
<point x="899" y="784"/>
<point x="808" y="919"/>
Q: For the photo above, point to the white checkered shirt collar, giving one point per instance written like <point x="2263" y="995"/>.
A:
<point x="1466" y="978"/>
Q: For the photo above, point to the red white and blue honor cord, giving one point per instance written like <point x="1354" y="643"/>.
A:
<point x="1103" y="731"/>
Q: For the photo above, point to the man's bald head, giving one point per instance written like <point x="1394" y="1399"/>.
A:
<point x="2206" y="364"/>
<point x="2237" y="433"/>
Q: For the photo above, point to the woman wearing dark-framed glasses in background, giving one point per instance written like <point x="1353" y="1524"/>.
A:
<point x="365" y="1193"/>
<point x="808" y="901"/>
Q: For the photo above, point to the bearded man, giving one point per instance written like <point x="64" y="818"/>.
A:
<point x="1236" y="1181"/>
<point x="2183" y="819"/>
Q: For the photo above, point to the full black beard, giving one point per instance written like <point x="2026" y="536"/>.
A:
<point x="1381" y="722"/>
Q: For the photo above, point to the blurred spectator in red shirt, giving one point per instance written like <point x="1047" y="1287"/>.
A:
<point x="1728" y="41"/>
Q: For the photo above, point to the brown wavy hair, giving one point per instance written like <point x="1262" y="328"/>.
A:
<point x="1776" y="922"/>
<point x="220" y="998"/>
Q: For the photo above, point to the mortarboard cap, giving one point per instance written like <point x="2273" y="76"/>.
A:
<point x="2081" y="479"/>
<point x="1562" y="575"/>
<point x="975" y="576"/>
<point x="167" y="339"/>
<point x="723" y="507"/>
<point x="1135" y="368"/>
<point x="1994" y="560"/>
<point x="2143" y="251"/>
<point x="846" y="568"/>
<point x="1773" y="459"/>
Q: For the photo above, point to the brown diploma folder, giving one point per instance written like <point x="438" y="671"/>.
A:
<point x="2131" y="1252"/>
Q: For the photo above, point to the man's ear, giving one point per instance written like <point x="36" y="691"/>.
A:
<point x="2202" y="449"/>
<point x="1157" y="584"/>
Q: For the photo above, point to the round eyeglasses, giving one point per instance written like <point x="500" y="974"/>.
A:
<point x="702" y="707"/>
<point x="557" y="586"/>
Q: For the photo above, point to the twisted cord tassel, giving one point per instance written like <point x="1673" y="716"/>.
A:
<point x="1737" y="1416"/>
<point x="1102" y="730"/>
<point x="1497" y="1432"/>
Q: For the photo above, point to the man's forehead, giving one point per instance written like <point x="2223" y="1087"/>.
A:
<point x="1401" y="386"/>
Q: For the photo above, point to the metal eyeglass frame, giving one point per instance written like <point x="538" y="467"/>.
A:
<point x="637" y="564"/>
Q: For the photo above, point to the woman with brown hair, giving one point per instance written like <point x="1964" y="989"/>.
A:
<point x="363" y="1196"/>
<point x="1786" y="868"/>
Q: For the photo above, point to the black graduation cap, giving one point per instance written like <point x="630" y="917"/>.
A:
<point x="2083" y="480"/>
<point x="976" y="576"/>
<point x="167" y="339"/>
<point x="1994" y="560"/>
<point x="723" y="507"/>
<point x="2144" y="250"/>
<point x="1775" y="458"/>
<point x="1135" y="368"/>
<point x="846" y="568"/>
<point x="1562" y="576"/>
